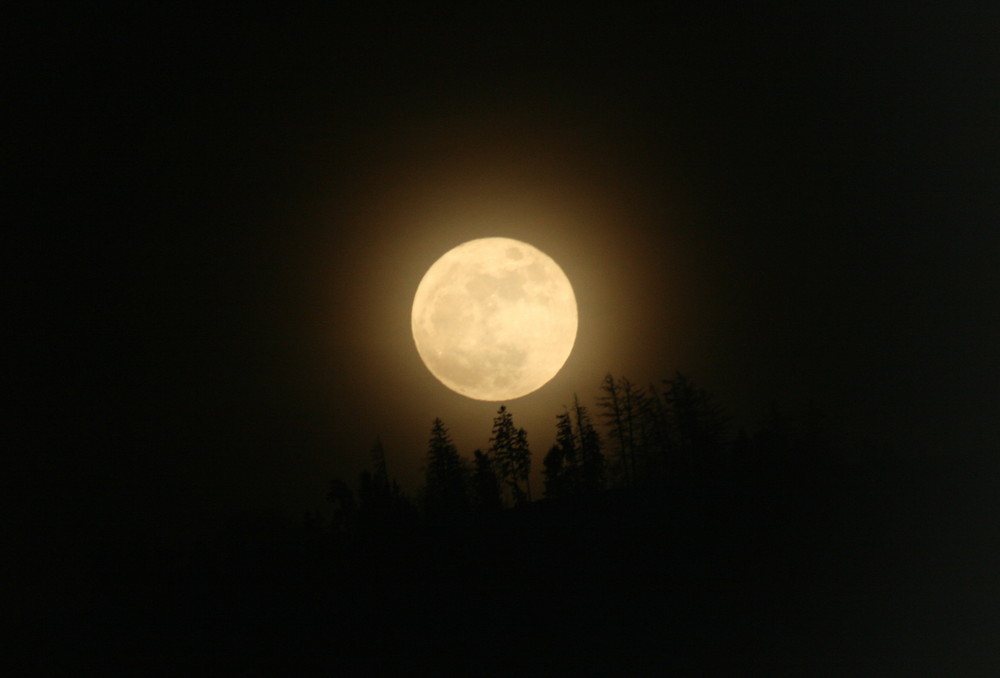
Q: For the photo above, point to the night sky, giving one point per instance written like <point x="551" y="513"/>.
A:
<point x="219" y="221"/>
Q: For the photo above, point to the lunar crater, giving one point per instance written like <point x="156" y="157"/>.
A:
<point x="494" y="319"/>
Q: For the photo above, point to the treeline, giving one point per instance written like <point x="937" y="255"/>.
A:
<point x="473" y="573"/>
<point x="637" y="438"/>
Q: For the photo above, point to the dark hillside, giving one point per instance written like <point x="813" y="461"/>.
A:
<point x="848" y="571"/>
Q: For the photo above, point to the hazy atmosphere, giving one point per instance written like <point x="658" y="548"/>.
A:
<point x="219" y="222"/>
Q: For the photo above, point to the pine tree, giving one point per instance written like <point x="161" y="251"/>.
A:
<point x="383" y="509"/>
<point x="555" y="473"/>
<point x="616" y="411"/>
<point x="636" y="428"/>
<point x="562" y="468"/>
<point x="510" y="452"/>
<point x="445" y="493"/>
<point x="699" y="423"/>
<point x="591" y="460"/>
<point x="522" y="466"/>
<point x="374" y="488"/>
<point x="485" y="486"/>
<point x="660" y="443"/>
<point x="500" y="446"/>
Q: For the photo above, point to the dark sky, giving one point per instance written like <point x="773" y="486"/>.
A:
<point x="222" y="219"/>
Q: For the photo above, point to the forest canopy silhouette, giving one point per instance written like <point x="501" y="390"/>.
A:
<point x="644" y="439"/>
<point x="660" y="530"/>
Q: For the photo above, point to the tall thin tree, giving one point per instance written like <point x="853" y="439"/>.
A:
<point x="522" y="462"/>
<point x="510" y="452"/>
<point x="660" y="444"/>
<point x="591" y="459"/>
<point x="485" y="485"/>
<point x="699" y="423"/>
<point x="616" y="411"/>
<point x="562" y="468"/>
<point x="445" y="490"/>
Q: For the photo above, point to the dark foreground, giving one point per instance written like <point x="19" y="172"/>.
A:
<point x="838" y="572"/>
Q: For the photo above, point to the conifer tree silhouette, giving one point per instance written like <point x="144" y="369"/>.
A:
<point x="509" y="450"/>
<point x="699" y="423"/>
<point x="660" y="445"/>
<point x="619" y="403"/>
<point x="562" y="468"/>
<point x="485" y="485"/>
<point x="591" y="459"/>
<point x="575" y="463"/>
<point x="446" y="491"/>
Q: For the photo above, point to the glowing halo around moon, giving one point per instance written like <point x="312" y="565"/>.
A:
<point x="494" y="319"/>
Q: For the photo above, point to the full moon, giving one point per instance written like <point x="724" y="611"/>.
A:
<point x="494" y="319"/>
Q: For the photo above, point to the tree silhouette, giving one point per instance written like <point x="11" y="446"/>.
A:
<point x="591" y="459"/>
<point x="445" y="492"/>
<point x="379" y="508"/>
<point x="621" y="403"/>
<point x="522" y="462"/>
<point x="485" y="485"/>
<point x="561" y="464"/>
<point x="660" y="446"/>
<point x="574" y="464"/>
<point x="657" y="433"/>
<point x="699" y="424"/>
<point x="509" y="450"/>
<point x="374" y="488"/>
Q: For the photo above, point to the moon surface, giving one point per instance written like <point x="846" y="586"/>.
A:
<point x="494" y="319"/>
